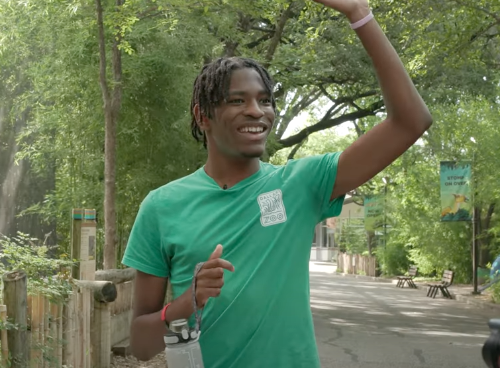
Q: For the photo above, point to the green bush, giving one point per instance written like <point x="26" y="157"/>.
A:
<point x="494" y="291"/>
<point x="47" y="276"/>
<point x="393" y="259"/>
<point x="44" y="275"/>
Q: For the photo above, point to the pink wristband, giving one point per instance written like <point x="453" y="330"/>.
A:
<point x="362" y="22"/>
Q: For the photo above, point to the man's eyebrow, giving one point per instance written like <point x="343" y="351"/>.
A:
<point x="243" y="93"/>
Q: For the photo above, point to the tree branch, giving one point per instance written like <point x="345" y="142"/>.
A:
<point x="275" y="40"/>
<point x="326" y="123"/>
<point x="257" y="42"/>
<point x="348" y="99"/>
<point x="480" y="8"/>
<point x="296" y="149"/>
<point x="484" y="30"/>
<point x="147" y="13"/>
<point x="304" y="102"/>
<point x="359" y="131"/>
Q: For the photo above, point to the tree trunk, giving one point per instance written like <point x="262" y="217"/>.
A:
<point x="112" y="106"/>
<point x="370" y="237"/>
<point x="484" y="238"/>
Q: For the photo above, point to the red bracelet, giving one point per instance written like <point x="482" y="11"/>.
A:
<point x="164" y="312"/>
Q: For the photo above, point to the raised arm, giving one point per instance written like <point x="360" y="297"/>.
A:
<point x="407" y="115"/>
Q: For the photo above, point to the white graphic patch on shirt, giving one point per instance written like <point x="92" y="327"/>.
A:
<point x="272" y="208"/>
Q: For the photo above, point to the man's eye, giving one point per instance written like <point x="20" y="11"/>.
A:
<point x="236" y="101"/>
<point x="266" y="101"/>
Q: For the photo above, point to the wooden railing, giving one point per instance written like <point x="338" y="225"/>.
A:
<point x="77" y="332"/>
<point x="356" y="264"/>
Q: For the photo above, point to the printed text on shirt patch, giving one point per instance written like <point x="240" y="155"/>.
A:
<point x="272" y="208"/>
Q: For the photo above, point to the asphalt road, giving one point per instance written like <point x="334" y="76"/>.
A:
<point x="367" y="324"/>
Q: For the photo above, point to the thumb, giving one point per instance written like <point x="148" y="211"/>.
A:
<point x="217" y="253"/>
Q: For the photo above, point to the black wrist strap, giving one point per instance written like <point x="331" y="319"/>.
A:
<point x="197" y="312"/>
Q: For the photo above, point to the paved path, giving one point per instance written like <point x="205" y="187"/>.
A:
<point x="367" y="324"/>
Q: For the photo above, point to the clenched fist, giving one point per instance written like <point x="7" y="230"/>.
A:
<point x="210" y="279"/>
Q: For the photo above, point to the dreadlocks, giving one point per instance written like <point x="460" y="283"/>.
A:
<point x="211" y="87"/>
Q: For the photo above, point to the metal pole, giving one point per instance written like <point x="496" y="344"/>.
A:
<point x="474" y="220"/>
<point x="385" y="216"/>
<point x="474" y="250"/>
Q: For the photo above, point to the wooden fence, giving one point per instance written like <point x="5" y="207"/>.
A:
<point x="356" y="264"/>
<point x="78" y="332"/>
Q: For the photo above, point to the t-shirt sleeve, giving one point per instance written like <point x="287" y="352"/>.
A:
<point x="319" y="173"/>
<point x="144" y="250"/>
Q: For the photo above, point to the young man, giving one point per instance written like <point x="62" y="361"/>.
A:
<point x="253" y="222"/>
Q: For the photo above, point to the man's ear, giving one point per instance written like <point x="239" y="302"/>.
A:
<point x="202" y="121"/>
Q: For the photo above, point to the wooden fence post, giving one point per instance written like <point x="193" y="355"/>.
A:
<point x="96" y="331"/>
<point x="68" y="329"/>
<point x="36" y="322"/>
<point x="3" y="337"/>
<point x="101" y="336"/>
<point x="120" y="309"/>
<point x="15" y="296"/>
<point x="83" y="238"/>
<point x="60" y="323"/>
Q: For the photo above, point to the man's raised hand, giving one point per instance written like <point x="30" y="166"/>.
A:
<point x="353" y="9"/>
<point x="210" y="279"/>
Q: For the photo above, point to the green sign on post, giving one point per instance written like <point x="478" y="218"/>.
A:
<point x="374" y="212"/>
<point x="456" y="193"/>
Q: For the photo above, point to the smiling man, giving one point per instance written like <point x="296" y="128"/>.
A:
<point x="252" y="223"/>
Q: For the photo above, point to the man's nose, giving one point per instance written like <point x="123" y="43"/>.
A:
<point x="254" y="109"/>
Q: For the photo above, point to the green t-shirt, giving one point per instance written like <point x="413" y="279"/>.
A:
<point x="265" y="223"/>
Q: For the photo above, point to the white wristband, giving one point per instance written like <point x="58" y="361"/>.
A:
<point x="362" y="22"/>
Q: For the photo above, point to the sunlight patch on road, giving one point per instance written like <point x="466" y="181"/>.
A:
<point x="333" y="292"/>
<point x="454" y="316"/>
<point x="342" y="322"/>
<point x="413" y="314"/>
<point x="409" y="306"/>
<point x="344" y="305"/>
<point x="379" y="313"/>
<point x="322" y="268"/>
<point x="414" y="331"/>
<point x="325" y="307"/>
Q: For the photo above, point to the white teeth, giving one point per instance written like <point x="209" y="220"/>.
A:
<point x="251" y="129"/>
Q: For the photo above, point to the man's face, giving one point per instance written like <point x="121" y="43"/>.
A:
<point x="240" y="126"/>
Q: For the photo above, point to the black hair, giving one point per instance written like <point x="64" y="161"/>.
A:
<point x="211" y="87"/>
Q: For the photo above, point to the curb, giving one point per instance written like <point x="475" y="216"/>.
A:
<point x="457" y="297"/>
<point x="367" y="278"/>
<point x="477" y="303"/>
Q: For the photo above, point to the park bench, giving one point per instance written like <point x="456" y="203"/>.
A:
<point x="402" y="280"/>
<point x="442" y="286"/>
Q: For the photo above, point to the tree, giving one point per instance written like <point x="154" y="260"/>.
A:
<point x="112" y="99"/>
<point x="64" y="121"/>
<point x="321" y="72"/>
<point x="317" y="60"/>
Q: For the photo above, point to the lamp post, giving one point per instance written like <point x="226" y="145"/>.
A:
<point x="385" y="180"/>
<point x="474" y="221"/>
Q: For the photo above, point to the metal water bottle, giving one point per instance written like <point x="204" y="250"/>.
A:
<point x="182" y="346"/>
